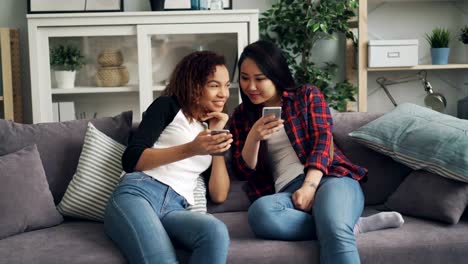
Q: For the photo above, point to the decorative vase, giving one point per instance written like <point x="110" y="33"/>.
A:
<point x="110" y="57"/>
<point x="112" y="76"/>
<point x="65" y="79"/>
<point x="157" y="5"/>
<point x="440" y="55"/>
<point x="195" y="4"/>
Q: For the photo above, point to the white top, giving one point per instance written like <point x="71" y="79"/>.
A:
<point x="181" y="175"/>
<point x="286" y="164"/>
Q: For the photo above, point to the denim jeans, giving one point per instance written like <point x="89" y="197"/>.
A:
<point x="143" y="215"/>
<point x="337" y="207"/>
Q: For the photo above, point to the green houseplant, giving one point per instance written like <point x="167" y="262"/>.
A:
<point x="296" y="26"/>
<point x="463" y="36"/>
<point x="439" y="40"/>
<point x="66" y="60"/>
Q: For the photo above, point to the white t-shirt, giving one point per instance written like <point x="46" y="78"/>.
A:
<point x="181" y="175"/>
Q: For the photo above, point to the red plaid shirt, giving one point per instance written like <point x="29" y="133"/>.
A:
<point x="308" y="124"/>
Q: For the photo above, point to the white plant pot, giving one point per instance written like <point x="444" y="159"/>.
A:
<point x="65" y="79"/>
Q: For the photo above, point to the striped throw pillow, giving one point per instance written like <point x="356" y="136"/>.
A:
<point x="98" y="172"/>
<point x="199" y="194"/>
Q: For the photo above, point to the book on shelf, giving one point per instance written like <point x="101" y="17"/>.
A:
<point x="63" y="111"/>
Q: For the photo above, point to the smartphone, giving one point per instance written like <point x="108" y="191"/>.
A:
<point x="217" y="132"/>
<point x="276" y="110"/>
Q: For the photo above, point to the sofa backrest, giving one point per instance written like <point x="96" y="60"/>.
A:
<point x="60" y="144"/>
<point x="385" y="174"/>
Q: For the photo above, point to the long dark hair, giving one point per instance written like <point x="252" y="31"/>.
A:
<point x="190" y="76"/>
<point x="272" y="63"/>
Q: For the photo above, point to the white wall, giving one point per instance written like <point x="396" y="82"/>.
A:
<point x="411" y="20"/>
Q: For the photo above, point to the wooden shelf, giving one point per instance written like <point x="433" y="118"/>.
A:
<point x="420" y="67"/>
<point x="91" y="89"/>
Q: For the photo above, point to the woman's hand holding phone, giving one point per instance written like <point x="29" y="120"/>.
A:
<point x="268" y="124"/>
<point x="214" y="144"/>
<point x="222" y="140"/>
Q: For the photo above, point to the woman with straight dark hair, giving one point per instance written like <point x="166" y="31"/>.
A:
<point x="166" y="155"/>
<point x="302" y="185"/>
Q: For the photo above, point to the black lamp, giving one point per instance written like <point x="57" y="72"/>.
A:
<point x="436" y="101"/>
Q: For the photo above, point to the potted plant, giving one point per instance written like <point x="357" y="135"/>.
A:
<point x="439" y="40"/>
<point x="66" y="60"/>
<point x="463" y="37"/>
<point x="296" y="26"/>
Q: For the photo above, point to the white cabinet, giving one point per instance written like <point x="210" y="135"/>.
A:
<point x="151" y="44"/>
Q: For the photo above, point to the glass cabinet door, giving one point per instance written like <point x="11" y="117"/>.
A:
<point x="105" y="86"/>
<point x="161" y="47"/>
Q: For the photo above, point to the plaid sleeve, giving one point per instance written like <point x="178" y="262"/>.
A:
<point x="320" y="124"/>
<point x="239" y="133"/>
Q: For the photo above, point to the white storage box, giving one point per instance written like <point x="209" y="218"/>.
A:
<point x="393" y="53"/>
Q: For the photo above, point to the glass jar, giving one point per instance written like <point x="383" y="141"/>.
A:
<point x="195" y="4"/>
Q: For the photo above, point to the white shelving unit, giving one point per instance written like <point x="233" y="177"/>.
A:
<point x="420" y="24"/>
<point x="152" y="43"/>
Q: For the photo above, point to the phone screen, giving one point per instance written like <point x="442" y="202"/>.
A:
<point x="276" y="110"/>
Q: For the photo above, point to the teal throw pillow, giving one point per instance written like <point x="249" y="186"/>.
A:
<point x="420" y="138"/>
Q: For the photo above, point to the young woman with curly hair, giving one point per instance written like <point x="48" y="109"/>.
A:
<point x="163" y="160"/>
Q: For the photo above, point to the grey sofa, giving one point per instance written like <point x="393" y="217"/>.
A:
<point x="78" y="241"/>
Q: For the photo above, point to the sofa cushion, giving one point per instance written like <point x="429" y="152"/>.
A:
<point x="385" y="174"/>
<point x="417" y="241"/>
<point x="237" y="199"/>
<point x="425" y="194"/>
<point x="421" y="139"/>
<point x="25" y="199"/>
<point x="98" y="172"/>
<point x="59" y="144"/>
<point x="73" y="242"/>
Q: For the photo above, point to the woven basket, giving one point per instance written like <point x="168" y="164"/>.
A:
<point x="110" y="58"/>
<point x="112" y="76"/>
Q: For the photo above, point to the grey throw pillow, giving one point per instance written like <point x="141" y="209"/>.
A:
<point x="25" y="199"/>
<point x="385" y="174"/>
<point x="59" y="144"/>
<point x="425" y="194"/>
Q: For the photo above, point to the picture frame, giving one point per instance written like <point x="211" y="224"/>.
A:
<point x="75" y="6"/>
<point x="185" y="5"/>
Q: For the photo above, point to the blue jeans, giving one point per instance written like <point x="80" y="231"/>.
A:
<point x="337" y="207"/>
<point x="143" y="215"/>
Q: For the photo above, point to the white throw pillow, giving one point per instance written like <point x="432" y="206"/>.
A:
<point x="97" y="175"/>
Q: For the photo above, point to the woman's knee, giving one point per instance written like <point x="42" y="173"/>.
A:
<point x="215" y="230"/>
<point x="261" y="217"/>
